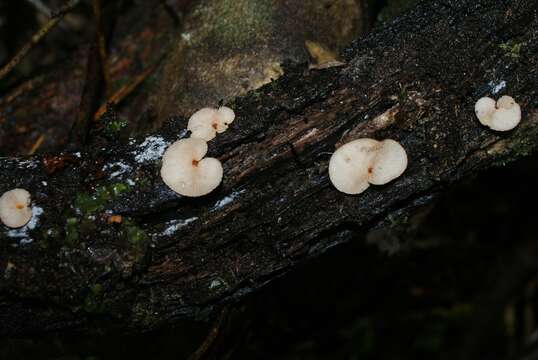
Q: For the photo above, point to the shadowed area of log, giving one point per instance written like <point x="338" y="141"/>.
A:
<point x="415" y="81"/>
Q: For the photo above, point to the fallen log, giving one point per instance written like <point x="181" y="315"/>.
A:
<point x="167" y="257"/>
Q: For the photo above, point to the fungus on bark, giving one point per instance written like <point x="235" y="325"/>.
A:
<point x="359" y="163"/>
<point x="15" y="209"/>
<point x="186" y="171"/>
<point x="207" y="122"/>
<point x="503" y="115"/>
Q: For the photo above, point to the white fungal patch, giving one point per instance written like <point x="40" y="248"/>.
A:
<point x="186" y="36"/>
<point x="119" y="167"/>
<point x="215" y="284"/>
<point x="151" y="149"/>
<point x="23" y="232"/>
<point x="27" y="164"/>
<point x="496" y="88"/>
<point x="175" y="225"/>
<point x="226" y="200"/>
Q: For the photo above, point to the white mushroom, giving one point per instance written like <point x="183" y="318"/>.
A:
<point x="359" y="163"/>
<point x="225" y="117"/>
<point x="15" y="209"/>
<point x="390" y="162"/>
<point x="503" y="115"/>
<point x="207" y="122"/>
<point x="186" y="171"/>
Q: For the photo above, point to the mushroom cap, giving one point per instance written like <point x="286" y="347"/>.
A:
<point x="503" y="115"/>
<point x="484" y="109"/>
<point x="507" y="116"/>
<point x="15" y="210"/>
<point x="225" y="116"/>
<point x="186" y="171"/>
<point x="203" y="124"/>
<point x="506" y="102"/>
<point x="389" y="163"/>
<point x="349" y="165"/>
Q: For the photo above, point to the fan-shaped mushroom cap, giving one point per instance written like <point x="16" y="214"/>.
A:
<point x="207" y="122"/>
<point x="359" y="163"/>
<point x="507" y="116"/>
<point x="225" y="116"/>
<point x="15" y="210"/>
<point x="389" y="163"/>
<point x="484" y="109"/>
<point x="503" y="115"/>
<point x="350" y="163"/>
<point x="186" y="171"/>
<point x="203" y="124"/>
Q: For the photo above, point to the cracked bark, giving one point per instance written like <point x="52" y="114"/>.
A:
<point x="415" y="80"/>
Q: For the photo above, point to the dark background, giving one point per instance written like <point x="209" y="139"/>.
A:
<point x="455" y="280"/>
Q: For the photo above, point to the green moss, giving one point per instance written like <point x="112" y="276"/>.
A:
<point x="118" y="189"/>
<point x="93" y="203"/>
<point x="71" y="230"/>
<point x="113" y="128"/>
<point x="93" y="303"/>
<point x="512" y="48"/>
<point x="86" y="205"/>
<point x="143" y="181"/>
<point x="135" y="235"/>
<point x="234" y="23"/>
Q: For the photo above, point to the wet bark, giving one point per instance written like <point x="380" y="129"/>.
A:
<point x="171" y="257"/>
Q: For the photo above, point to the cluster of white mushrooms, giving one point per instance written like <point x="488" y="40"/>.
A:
<point x="184" y="168"/>
<point x="352" y="167"/>
<point x="503" y="115"/>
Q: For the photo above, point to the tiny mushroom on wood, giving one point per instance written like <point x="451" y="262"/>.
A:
<point x="186" y="171"/>
<point x="503" y="115"/>
<point x="359" y="163"/>
<point x="15" y="209"/>
<point x="207" y="122"/>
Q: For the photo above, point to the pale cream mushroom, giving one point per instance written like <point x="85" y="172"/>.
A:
<point x="186" y="171"/>
<point x="503" y="115"/>
<point x="15" y="209"/>
<point x="225" y="117"/>
<point x="207" y="122"/>
<point x="359" y="163"/>
<point x="389" y="163"/>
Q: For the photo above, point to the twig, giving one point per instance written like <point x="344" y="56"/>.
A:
<point x="211" y="337"/>
<point x="40" y="6"/>
<point x="123" y="92"/>
<point x="95" y="77"/>
<point x="101" y="44"/>
<point x="36" y="38"/>
<point x="37" y="144"/>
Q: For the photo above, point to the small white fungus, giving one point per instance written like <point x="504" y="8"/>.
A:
<point x="15" y="210"/>
<point x="175" y="225"/>
<point x="503" y="115"/>
<point x="186" y="171"/>
<point x="207" y="122"/>
<point x="496" y="88"/>
<point x="359" y="163"/>
<point x="150" y="149"/>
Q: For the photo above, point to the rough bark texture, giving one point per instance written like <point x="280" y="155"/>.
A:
<point x="415" y="81"/>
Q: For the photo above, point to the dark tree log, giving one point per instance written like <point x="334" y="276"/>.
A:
<point x="171" y="257"/>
